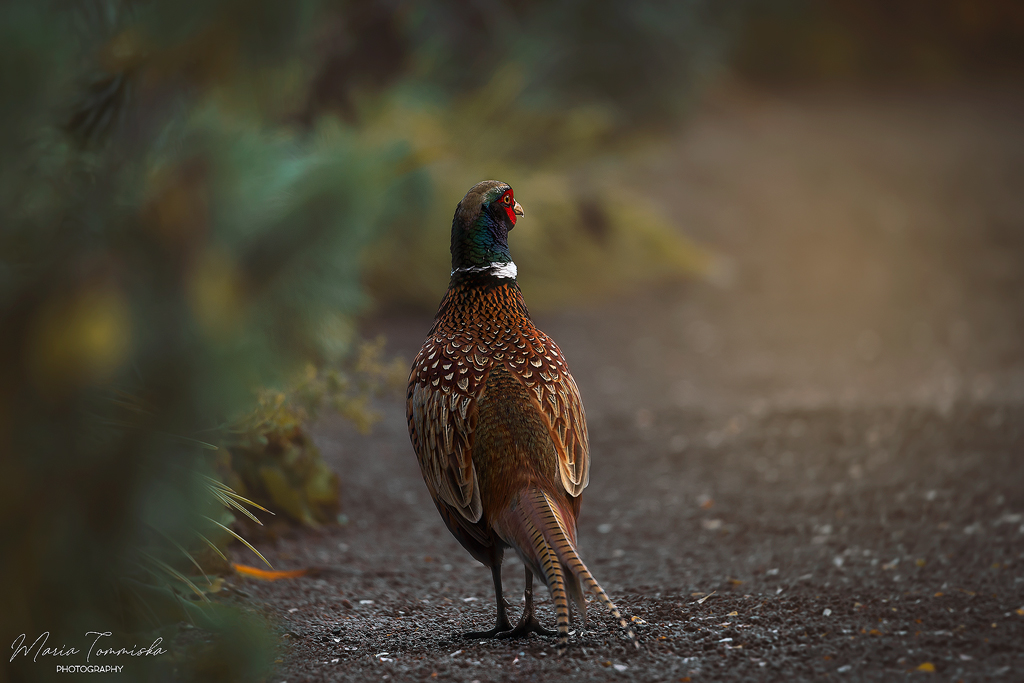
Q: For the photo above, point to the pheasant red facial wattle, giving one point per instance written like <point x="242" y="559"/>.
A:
<point x="497" y="423"/>
<point x="511" y="206"/>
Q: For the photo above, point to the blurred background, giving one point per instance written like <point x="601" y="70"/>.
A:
<point x="223" y="220"/>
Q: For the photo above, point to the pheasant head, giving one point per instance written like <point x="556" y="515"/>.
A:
<point x="480" y="229"/>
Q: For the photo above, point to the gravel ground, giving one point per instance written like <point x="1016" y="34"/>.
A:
<point x="812" y="468"/>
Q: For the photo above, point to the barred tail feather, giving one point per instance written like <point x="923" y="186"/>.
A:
<point x="547" y="544"/>
<point x="575" y="591"/>
<point x="551" y="571"/>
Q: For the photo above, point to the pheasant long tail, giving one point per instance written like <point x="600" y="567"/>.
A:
<point x="546" y="544"/>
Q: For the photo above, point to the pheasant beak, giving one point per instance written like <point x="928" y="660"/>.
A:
<point x="518" y="209"/>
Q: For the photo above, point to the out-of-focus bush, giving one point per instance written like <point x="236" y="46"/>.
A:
<point x="271" y="457"/>
<point x="162" y="234"/>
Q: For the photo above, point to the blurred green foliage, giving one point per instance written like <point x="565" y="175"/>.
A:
<point x="192" y="196"/>
<point x="159" y="235"/>
<point x="271" y="457"/>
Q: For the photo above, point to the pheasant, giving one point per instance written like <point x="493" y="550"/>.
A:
<point x="497" y="422"/>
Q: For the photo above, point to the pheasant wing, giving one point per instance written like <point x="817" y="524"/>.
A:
<point x="546" y="374"/>
<point x="441" y="408"/>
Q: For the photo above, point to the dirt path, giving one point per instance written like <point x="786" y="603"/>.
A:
<point x="831" y="447"/>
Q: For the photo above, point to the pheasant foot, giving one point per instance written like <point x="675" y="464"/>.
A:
<point x="502" y="624"/>
<point x="528" y="622"/>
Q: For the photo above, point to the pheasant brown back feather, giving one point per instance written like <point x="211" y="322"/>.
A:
<point x="482" y="323"/>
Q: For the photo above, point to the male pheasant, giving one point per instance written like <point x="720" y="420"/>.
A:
<point x="497" y="423"/>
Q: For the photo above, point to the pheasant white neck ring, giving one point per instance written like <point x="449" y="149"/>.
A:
<point x="501" y="270"/>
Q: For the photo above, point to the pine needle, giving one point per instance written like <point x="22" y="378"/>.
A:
<point x="195" y="442"/>
<point x="244" y="542"/>
<point x="176" y="574"/>
<point x="212" y="546"/>
<point x="229" y="503"/>
<point x="184" y="552"/>
<point x="243" y="499"/>
<point x="701" y="601"/>
<point x="227" y="495"/>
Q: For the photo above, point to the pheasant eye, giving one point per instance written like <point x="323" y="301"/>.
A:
<point x="508" y="199"/>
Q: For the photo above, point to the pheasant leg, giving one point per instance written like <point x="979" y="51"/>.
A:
<point x="528" y="622"/>
<point x="502" y="624"/>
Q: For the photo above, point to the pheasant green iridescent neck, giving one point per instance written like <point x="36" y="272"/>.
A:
<point x="481" y="243"/>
